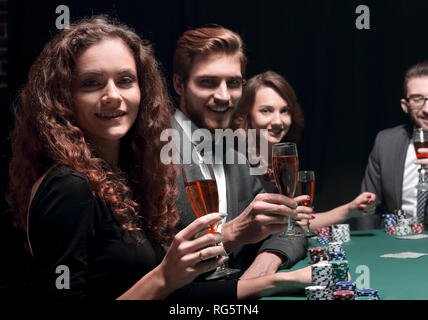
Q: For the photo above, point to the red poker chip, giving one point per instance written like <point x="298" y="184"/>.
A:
<point x="417" y="227"/>
<point x="344" y="295"/>
<point x="324" y="232"/>
<point x="392" y="230"/>
<point x="316" y="254"/>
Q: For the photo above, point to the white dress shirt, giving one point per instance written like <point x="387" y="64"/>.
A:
<point x="410" y="180"/>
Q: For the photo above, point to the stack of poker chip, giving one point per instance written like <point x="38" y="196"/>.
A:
<point x="335" y="251"/>
<point x="346" y="286"/>
<point x="400" y="214"/>
<point x="389" y="222"/>
<point x="340" y="270"/>
<point x="392" y="230"/>
<point x="318" y="293"/>
<point x="317" y="255"/>
<point x="403" y="227"/>
<point x="334" y="247"/>
<point x="324" y="232"/>
<point x="341" y="233"/>
<point x="404" y="222"/>
<point x="401" y="231"/>
<point x="417" y="227"/>
<point x="322" y="274"/>
<point x="413" y="220"/>
<point x="337" y="256"/>
<point x="344" y="295"/>
<point x="323" y="240"/>
<point x="371" y="293"/>
<point x="364" y="298"/>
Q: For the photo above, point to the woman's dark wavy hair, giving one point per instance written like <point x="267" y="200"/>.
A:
<point x="142" y="193"/>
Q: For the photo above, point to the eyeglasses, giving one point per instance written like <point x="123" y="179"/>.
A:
<point x="416" y="101"/>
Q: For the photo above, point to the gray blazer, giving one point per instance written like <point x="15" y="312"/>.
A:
<point x="384" y="172"/>
<point x="241" y="190"/>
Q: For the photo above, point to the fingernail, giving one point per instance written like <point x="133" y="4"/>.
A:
<point x="313" y="217"/>
<point x="309" y="223"/>
<point x="222" y="214"/>
<point x="360" y="207"/>
<point x="309" y="197"/>
<point x="371" y="201"/>
<point x="368" y="197"/>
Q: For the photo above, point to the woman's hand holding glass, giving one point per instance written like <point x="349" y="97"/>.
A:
<point x="303" y="210"/>
<point x="191" y="255"/>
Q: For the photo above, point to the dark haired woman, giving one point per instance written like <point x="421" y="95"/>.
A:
<point x="269" y="102"/>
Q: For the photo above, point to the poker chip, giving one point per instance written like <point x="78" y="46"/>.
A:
<point x="317" y="255"/>
<point x="417" y="227"/>
<point x="400" y="214"/>
<point x="334" y="247"/>
<point x="346" y="286"/>
<point x="404" y="222"/>
<point x="402" y="230"/>
<point x="365" y="298"/>
<point x="390" y="221"/>
<point x="323" y="240"/>
<point x="341" y="233"/>
<point x="339" y="270"/>
<point x="324" y="232"/>
<point x="322" y="274"/>
<point x="317" y="293"/>
<point x="344" y="295"/>
<point x="413" y="220"/>
<point x="372" y="293"/>
<point x="336" y="256"/>
<point x="392" y="230"/>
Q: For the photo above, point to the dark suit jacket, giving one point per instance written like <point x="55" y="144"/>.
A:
<point x="384" y="172"/>
<point x="241" y="190"/>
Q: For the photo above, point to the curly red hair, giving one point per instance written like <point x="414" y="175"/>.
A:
<point x="142" y="193"/>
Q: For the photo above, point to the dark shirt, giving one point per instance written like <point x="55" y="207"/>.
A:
<point x="68" y="226"/>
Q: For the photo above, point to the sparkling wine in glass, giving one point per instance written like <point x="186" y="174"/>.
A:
<point x="285" y="167"/>
<point x="201" y="189"/>
<point x="203" y="197"/>
<point x="420" y="140"/>
<point x="306" y="186"/>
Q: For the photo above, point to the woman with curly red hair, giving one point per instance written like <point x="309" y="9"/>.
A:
<point x="87" y="184"/>
<point x="85" y="181"/>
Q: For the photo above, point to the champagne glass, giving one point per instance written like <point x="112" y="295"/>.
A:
<point x="306" y="186"/>
<point x="420" y="140"/>
<point x="201" y="189"/>
<point x="285" y="167"/>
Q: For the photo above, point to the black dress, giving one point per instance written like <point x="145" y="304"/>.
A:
<point x="70" y="229"/>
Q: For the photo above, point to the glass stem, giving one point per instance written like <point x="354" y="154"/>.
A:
<point x="289" y="227"/>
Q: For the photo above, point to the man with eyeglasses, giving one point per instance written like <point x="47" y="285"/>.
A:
<point x="392" y="169"/>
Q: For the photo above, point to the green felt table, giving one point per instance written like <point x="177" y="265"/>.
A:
<point x="395" y="279"/>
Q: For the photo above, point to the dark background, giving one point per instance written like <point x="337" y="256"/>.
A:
<point x="349" y="81"/>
